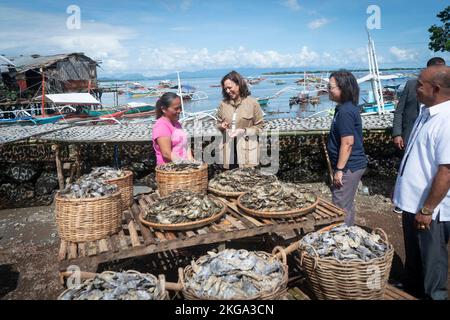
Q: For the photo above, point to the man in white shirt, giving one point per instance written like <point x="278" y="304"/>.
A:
<point x="422" y="187"/>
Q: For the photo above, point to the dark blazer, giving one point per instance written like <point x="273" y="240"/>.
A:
<point x="406" y="111"/>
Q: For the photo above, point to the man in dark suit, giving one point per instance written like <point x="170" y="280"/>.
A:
<point x="407" y="109"/>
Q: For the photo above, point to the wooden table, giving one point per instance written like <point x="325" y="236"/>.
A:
<point x="136" y="240"/>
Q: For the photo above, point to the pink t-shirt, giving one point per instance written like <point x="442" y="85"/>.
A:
<point x="165" y="128"/>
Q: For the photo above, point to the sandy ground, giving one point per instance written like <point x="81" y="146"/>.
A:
<point x="29" y="245"/>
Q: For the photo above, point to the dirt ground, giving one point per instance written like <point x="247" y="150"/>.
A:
<point x="29" y="244"/>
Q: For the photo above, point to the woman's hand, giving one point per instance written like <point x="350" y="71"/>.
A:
<point x="224" y="125"/>
<point x="337" y="179"/>
<point x="237" y="132"/>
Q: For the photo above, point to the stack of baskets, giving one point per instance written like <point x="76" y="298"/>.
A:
<point x="193" y="180"/>
<point x="331" y="279"/>
<point x="125" y="185"/>
<point x="82" y="220"/>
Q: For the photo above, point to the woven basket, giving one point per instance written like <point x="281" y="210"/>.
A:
<point x="81" y="220"/>
<point x="161" y="278"/>
<point x="193" y="180"/>
<point x="226" y="194"/>
<point x="188" y="225"/>
<point x="331" y="279"/>
<point x="279" y="214"/>
<point x="275" y="294"/>
<point x="125" y="185"/>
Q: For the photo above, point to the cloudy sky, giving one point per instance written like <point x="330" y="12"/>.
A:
<point x="156" y="37"/>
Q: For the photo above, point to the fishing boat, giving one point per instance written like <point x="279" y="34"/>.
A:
<point x="279" y="82"/>
<point x="138" y="107"/>
<point x="46" y="119"/>
<point x="263" y="101"/>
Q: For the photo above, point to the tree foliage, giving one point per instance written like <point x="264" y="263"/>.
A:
<point x="439" y="35"/>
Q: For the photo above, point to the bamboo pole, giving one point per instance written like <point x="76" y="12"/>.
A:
<point x="43" y="93"/>
<point x="330" y="169"/>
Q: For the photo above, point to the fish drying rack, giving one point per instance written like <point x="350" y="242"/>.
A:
<point x="135" y="240"/>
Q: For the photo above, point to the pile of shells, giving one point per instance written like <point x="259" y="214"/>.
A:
<point x="232" y="274"/>
<point x="240" y="180"/>
<point x="277" y="197"/>
<point x="345" y="243"/>
<point x="128" y="285"/>
<point x="88" y="188"/>
<point x="182" y="206"/>
<point x="105" y="173"/>
<point x="183" y="165"/>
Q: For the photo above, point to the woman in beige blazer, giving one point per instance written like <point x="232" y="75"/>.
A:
<point x="240" y="119"/>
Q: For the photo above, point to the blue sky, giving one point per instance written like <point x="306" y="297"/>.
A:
<point x="157" y="37"/>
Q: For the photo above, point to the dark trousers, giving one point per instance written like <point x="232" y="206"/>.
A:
<point x="344" y="197"/>
<point x="426" y="262"/>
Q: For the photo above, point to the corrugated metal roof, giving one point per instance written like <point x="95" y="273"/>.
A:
<point x="35" y="61"/>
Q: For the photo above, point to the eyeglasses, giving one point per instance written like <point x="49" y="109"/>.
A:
<point x="332" y="88"/>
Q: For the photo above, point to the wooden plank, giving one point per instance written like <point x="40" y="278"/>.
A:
<point x="135" y="209"/>
<point x="328" y="212"/>
<point x="133" y="234"/>
<point x="82" y="249"/>
<point x="123" y="240"/>
<point x="62" y="250"/>
<point x="170" y="235"/>
<point x="160" y="236"/>
<point x="102" y="245"/>
<point x="331" y="207"/>
<point x="301" y="294"/>
<point x="251" y="219"/>
<point x="190" y="233"/>
<point x="237" y="224"/>
<point x="201" y="231"/>
<point x="91" y="248"/>
<point x="73" y="250"/>
<point x="115" y="243"/>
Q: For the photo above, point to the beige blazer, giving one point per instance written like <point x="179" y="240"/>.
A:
<point x="249" y="116"/>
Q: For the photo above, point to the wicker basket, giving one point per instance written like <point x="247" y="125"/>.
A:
<point x="280" y="291"/>
<point x="188" y="225"/>
<point x="81" y="220"/>
<point x="277" y="214"/>
<point x="225" y="194"/>
<point x="193" y="180"/>
<point x="331" y="279"/>
<point x="125" y="185"/>
<point x="161" y="278"/>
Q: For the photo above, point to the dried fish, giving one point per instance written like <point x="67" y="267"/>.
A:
<point x="181" y="165"/>
<point x="345" y="243"/>
<point x="117" y="286"/>
<point x="105" y="173"/>
<point x="182" y="206"/>
<point x="240" y="180"/>
<point x="278" y="196"/>
<point x="232" y="274"/>
<point x="88" y="187"/>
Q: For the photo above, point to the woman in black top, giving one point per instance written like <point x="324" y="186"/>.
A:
<point x="345" y="142"/>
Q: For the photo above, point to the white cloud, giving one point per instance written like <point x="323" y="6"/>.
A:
<point x="316" y="24"/>
<point x="182" y="29"/>
<point x="403" y="54"/>
<point x="292" y="4"/>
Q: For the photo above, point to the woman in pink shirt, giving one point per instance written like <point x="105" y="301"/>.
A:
<point x="169" y="139"/>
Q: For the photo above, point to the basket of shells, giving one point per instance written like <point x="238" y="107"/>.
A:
<point x="346" y="263"/>
<point x="88" y="210"/>
<point x="236" y="182"/>
<point x="277" y="200"/>
<point x="183" y="210"/>
<point x="122" y="178"/>
<point x="182" y="175"/>
<point x="236" y="275"/>
<point x="129" y="285"/>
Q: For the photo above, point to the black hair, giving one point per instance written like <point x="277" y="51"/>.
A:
<point x="435" y="61"/>
<point x="164" y="102"/>
<point x="234" y="76"/>
<point x="348" y="85"/>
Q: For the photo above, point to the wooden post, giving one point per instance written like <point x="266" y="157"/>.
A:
<point x="43" y="93"/>
<point x="59" y="168"/>
<point x="330" y="169"/>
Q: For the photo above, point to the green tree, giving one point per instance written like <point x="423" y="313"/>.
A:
<point x="439" y="37"/>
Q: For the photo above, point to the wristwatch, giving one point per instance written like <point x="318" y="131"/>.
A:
<point x="426" y="212"/>
<point x="337" y="169"/>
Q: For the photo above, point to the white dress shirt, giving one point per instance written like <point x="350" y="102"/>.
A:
<point x="428" y="148"/>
